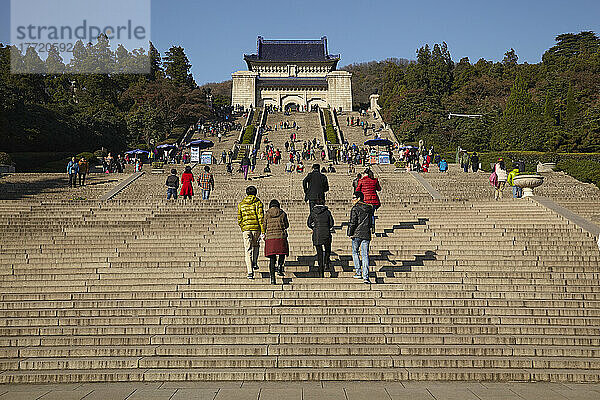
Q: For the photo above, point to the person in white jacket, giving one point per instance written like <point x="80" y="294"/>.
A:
<point x="502" y="175"/>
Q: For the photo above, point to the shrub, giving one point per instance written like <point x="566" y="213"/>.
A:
<point x="256" y="116"/>
<point x="583" y="170"/>
<point x="531" y="158"/>
<point x="327" y="116"/>
<point x="36" y="161"/>
<point x="142" y="146"/>
<point x="248" y="137"/>
<point x="100" y="153"/>
<point x="158" y="164"/>
<point x="91" y="159"/>
<point x="330" y="133"/>
<point x="329" y="129"/>
<point x="167" y="141"/>
<point x="5" y="159"/>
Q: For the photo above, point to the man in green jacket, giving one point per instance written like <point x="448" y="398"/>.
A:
<point x="517" y="191"/>
<point x="250" y="220"/>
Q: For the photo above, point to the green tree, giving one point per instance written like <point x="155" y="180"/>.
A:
<point x="550" y="109"/>
<point x="571" y="108"/>
<point x="510" y="58"/>
<point x="177" y="67"/>
<point x="54" y="62"/>
<point x="519" y="102"/>
<point x="156" y="66"/>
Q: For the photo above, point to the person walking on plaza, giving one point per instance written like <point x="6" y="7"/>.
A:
<point x="250" y="220"/>
<point x="359" y="229"/>
<point x="369" y="186"/>
<point x="172" y="184"/>
<point x="502" y="176"/>
<point x="245" y="166"/>
<point x="315" y="186"/>
<point x="443" y="165"/>
<point x="475" y="162"/>
<point x="355" y="182"/>
<point x="84" y="168"/>
<point x="517" y="191"/>
<point x="187" y="190"/>
<point x="321" y="222"/>
<point x="276" y="244"/>
<point x="206" y="182"/>
<point x="72" y="170"/>
<point x="464" y="161"/>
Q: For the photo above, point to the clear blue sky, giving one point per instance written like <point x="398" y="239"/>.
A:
<point x="215" y="34"/>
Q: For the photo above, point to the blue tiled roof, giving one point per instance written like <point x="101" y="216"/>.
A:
<point x="291" y="50"/>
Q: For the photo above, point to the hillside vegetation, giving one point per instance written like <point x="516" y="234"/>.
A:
<point x="550" y="106"/>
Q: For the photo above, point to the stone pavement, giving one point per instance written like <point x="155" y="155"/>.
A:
<point x="243" y="390"/>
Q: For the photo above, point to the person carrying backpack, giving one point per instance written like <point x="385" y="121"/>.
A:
<point x="321" y="222"/>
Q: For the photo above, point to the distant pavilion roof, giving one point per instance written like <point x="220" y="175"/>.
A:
<point x="291" y="51"/>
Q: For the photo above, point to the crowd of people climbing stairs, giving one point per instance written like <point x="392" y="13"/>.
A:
<point x="271" y="226"/>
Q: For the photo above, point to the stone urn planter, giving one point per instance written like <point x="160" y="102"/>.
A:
<point x="527" y="183"/>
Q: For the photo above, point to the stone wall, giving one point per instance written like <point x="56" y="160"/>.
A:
<point x="282" y="96"/>
<point x="244" y="89"/>
<point x="285" y="70"/>
<point x="340" y="90"/>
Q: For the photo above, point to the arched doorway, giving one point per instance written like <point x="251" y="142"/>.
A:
<point x="292" y="103"/>
<point x="292" y="107"/>
<point x="316" y="102"/>
<point x="269" y="102"/>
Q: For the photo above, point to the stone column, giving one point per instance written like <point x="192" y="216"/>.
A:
<point x="244" y="89"/>
<point x="339" y="93"/>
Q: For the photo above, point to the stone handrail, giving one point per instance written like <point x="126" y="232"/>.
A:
<point x="324" y="134"/>
<point x="236" y="146"/>
<point x="386" y="127"/>
<point x="258" y="133"/>
<point x="338" y="129"/>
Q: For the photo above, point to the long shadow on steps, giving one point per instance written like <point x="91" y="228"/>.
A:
<point x="388" y="231"/>
<point x="346" y="264"/>
<point x="401" y="225"/>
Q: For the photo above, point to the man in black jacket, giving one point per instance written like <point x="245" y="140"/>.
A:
<point x="361" y="220"/>
<point x="321" y="222"/>
<point x="172" y="184"/>
<point x="315" y="186"/>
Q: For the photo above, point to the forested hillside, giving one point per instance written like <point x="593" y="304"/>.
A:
<point x="73" y="112"/>
<point x="550" y="106"/>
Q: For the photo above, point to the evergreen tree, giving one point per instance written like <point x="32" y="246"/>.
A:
<point x="571" y="108"/>
<point x="519" y="102"/>
<point x="550" y="109"/>
<point x="177" y="67"/>
<point x="54" y="62"/>
<point x="510" y="57"/>
<point x="156" y="67"/>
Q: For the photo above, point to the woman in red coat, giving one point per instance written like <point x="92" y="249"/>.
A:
<point x="369" y="186"/>
<point x="187" y="190"/>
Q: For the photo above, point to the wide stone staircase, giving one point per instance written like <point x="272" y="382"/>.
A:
<point x="55" y="186"/>
<point x="308" y="124"/>
<point x="141" y="289"/>
<point x="354" y="134"/>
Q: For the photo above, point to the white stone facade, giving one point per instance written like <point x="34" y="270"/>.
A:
<point x="308" y="79"/>
<point x="244" y="89"/>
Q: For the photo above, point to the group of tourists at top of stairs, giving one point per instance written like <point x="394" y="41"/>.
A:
<point x="271" y="227"/>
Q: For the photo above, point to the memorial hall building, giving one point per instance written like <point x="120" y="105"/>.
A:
<point x="292" y="73"/>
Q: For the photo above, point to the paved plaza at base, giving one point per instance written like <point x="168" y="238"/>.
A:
<point x="323" y="390"/>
